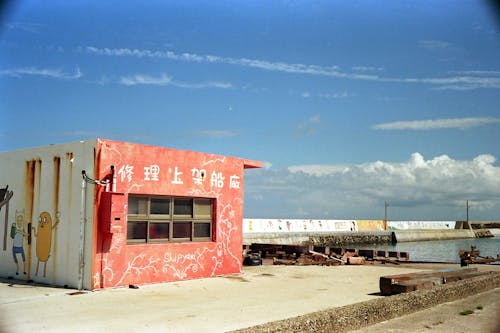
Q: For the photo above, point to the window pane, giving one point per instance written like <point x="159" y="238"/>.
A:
<point x="136" y="230"/>
<point x="158" y="230"/>
<point x="203" y="207"/>
<point x="160" y="206"/>
<point x="182" y="230"/>
<point x="183" y="206"/>
<point x="137" y="205"/>
<point x="202" y="229"/>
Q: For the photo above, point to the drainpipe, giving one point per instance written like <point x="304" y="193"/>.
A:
<point x="113" y="187"/>
<point x="83" y="221"/>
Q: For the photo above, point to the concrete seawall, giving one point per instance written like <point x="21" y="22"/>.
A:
<point x="319" y="238"/>
<point x="495" y="232"/>
<point x="427" y="235"/>
<point x="360" y="237"/>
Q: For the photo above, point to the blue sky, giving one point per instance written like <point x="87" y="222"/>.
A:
<point x="348" y="103"/>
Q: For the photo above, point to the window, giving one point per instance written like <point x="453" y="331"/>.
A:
<point x="154" y="219"/>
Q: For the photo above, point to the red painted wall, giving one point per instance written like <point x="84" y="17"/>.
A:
<point x="141" y="169"/>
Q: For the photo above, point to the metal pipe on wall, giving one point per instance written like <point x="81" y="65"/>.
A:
<point x="83" y="221"/>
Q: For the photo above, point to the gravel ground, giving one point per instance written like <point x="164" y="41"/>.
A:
<point x="364" y="314"/>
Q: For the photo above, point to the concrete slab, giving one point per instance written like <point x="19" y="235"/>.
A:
<point x="258" y="295"/>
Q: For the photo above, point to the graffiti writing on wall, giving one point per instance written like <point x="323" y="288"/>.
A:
<point x="152" y="172"/>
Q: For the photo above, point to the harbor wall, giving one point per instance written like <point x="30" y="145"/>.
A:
<point x="495" y="232"/>
<point x="345" y="232"/>
<point x="427" y="235"/>
<point x="319" y="238"/>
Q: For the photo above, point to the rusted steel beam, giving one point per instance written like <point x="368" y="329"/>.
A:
<point x="393" y="284"/>
<point x="356" y="260"/>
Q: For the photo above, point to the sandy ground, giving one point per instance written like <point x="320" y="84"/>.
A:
<point x="259" y="295"/>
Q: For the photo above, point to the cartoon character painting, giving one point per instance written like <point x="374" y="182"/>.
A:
<point x="18" y="234"/>
<point x="43" y="235"/>
<point x="5" y="196"/>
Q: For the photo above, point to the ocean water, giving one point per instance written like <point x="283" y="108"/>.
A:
<point x="444" y="250"/>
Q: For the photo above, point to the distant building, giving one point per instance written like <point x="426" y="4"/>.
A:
<point x="102" y="213"/>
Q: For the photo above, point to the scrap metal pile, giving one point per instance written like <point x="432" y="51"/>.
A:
<point x="324" y="256"/>
<point x="473" y="257"/>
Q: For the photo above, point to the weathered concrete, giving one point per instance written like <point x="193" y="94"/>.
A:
<point x="367" y="313"/>
<point x="425" y="235"/>
<point x="319" y="238"/>
<point x="495" y="232"/>
<point x="260" y="295"/>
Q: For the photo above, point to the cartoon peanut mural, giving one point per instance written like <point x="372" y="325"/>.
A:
<point x="43" y="235"/>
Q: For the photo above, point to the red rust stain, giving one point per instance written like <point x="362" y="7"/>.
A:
<point x="57" y="180"/>
<point x="57" y="188"/>
<point x="69" y="197"/>
<point x="28" y="203"/>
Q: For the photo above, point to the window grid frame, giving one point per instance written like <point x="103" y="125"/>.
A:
<point x="171" y="218"/>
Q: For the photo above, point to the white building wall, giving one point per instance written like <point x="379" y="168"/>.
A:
<point x="47" y="184"/>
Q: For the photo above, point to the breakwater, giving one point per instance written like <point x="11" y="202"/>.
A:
<point x="363" y="237"/>
<point x="331" y="239"/>
<point x="427" y="235"/>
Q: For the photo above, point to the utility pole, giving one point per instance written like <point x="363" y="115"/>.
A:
<point x="385" y="211"/>
<point x="467" y="205"/>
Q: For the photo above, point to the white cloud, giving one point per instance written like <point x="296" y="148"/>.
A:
<point x="218" y="133"/>
<point x="165" y="80"/>
<point x="463" y="82"/>
<point x="25" y="26"/>
<point x="267" y="165"/>
<point x="435" y="44"/>
<point x="337" y="95"/>
<point x="308" y="127"/>
<point x="431" y="124"/>
<point x="44" y="72"/>
<point x="140" y="79"/>
<point x="366" y="68"/>
<point x="416" y="189"/>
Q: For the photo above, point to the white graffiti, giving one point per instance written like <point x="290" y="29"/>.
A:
<point x="177" y="176"/>
<point x="234" y="181"/>
<point x="198" y="175"/>
<point x="126" y="171"/>
<point x="152" y="172"/>
<point x="171" y="262"/>
<point x="138" y="265"/>
<point x="217" y="179"/>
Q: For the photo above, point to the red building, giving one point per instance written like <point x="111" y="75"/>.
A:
<point x="144" y="214"/>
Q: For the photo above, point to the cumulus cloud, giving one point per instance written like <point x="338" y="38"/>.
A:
<point x="44" y="72"/>
<point x="165" y="80"/>
<point x="460" y="82"/>
<point x="431" y="124"/>
<point x="430" y="189"/>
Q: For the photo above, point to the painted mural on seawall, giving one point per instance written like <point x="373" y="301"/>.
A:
<point x="312" y="225"/>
